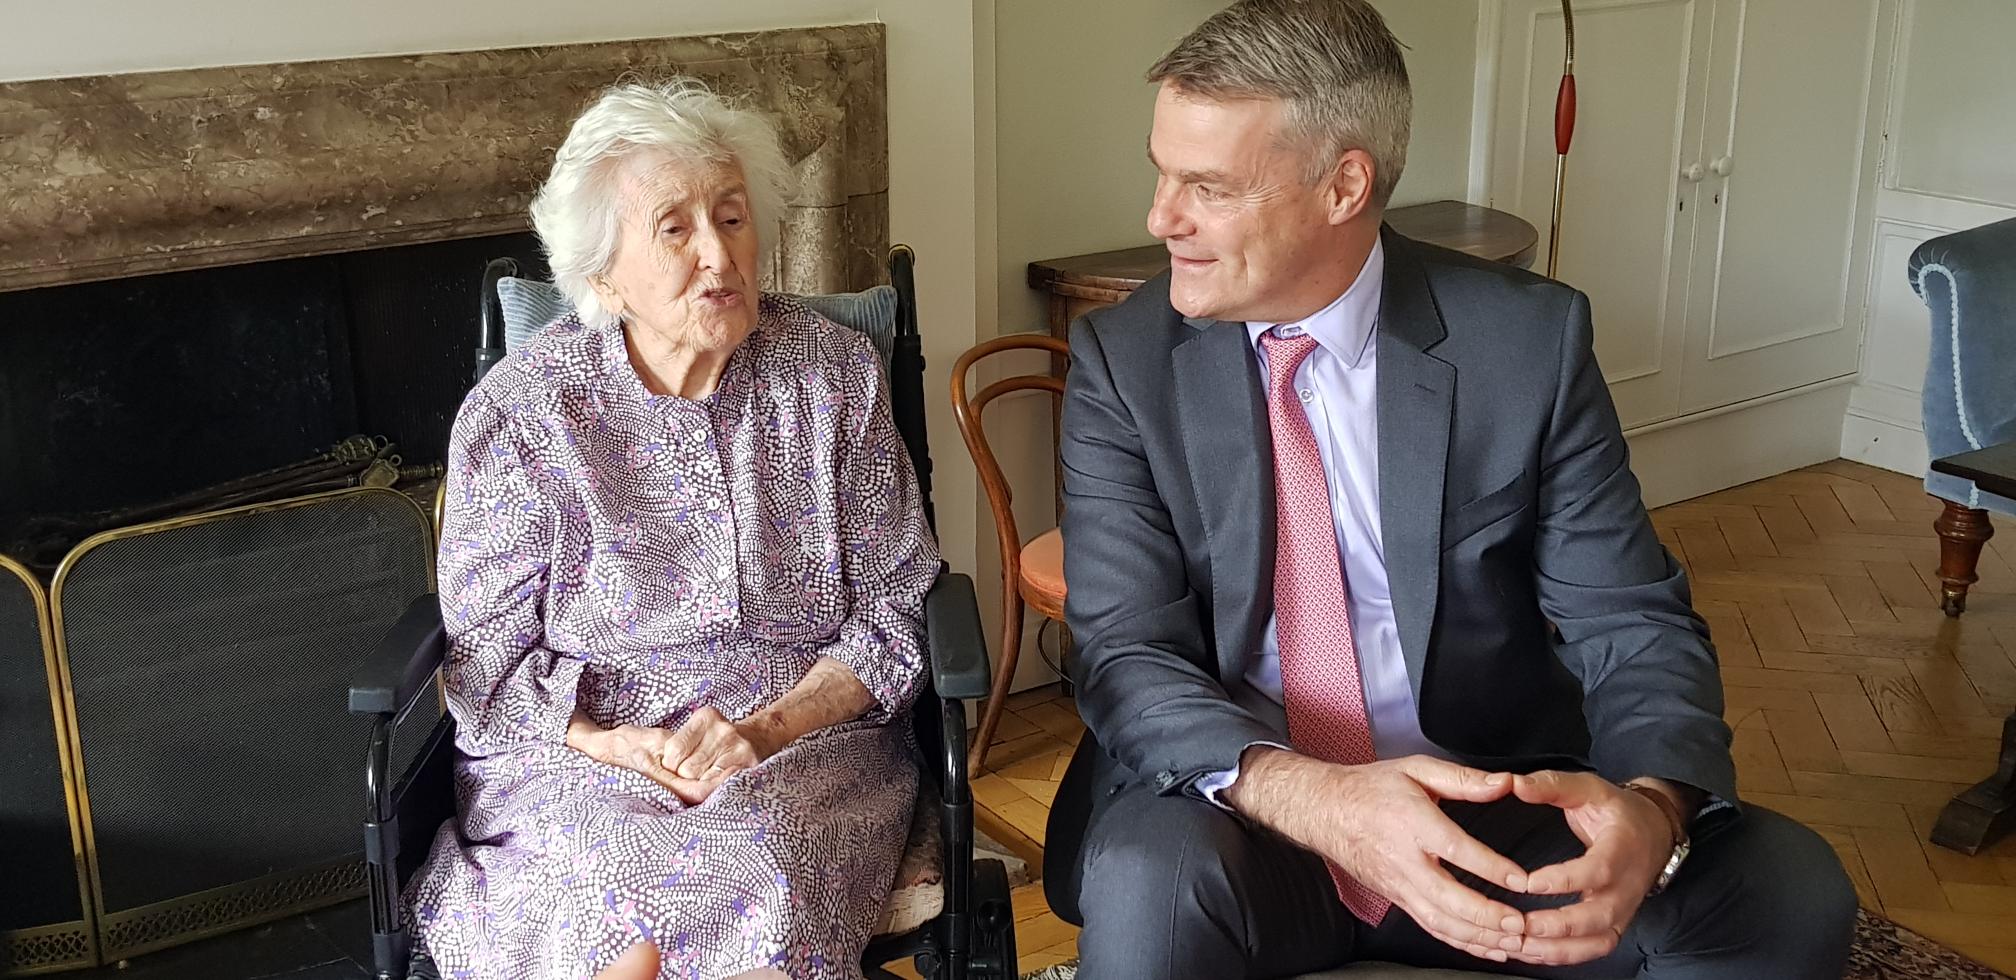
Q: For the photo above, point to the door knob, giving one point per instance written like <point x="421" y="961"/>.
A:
<point x="1692" y="173"/>
<point x="1723" y="166"/>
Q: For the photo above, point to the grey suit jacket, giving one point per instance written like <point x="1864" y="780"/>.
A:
<point x="1506" y="504"/>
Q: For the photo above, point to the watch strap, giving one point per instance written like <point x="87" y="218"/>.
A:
<point x="1677" y="823"/>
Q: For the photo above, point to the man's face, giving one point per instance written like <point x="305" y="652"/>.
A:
<point x="1243" y="225"/>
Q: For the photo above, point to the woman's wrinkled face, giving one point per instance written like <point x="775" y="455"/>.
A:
<point x="685" y="264"/>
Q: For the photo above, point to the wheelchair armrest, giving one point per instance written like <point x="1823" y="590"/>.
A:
<point x="952" y="630"/>
<point x="399" y="667"/>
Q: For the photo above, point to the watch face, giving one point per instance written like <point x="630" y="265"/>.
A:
<point x="1673" y="862"/>
<point x="1680" y="852"/>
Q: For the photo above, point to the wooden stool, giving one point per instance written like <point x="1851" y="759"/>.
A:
<point x="1032" y="572"/>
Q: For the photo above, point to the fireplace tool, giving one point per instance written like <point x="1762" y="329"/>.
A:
<point x="357" y="461"/>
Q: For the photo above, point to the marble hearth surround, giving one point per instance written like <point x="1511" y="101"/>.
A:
<point x="121" y="175"/>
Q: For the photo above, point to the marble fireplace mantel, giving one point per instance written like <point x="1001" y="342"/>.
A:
<point x="120" y="175"/>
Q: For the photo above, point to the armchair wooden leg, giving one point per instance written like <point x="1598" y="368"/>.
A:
<point x="1004" y="675"/>
<point x="1962" y="532"/>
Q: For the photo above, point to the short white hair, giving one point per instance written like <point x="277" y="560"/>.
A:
<point x="575" y="212"/>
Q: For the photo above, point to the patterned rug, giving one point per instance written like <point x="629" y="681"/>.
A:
<point x="1883" y="950"/>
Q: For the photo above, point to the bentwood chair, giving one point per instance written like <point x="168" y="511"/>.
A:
<point x="1032" y="572"/>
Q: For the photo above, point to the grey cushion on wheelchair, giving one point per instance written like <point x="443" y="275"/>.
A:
<point x="871" y="311"/>
<point x="529" y="305"/>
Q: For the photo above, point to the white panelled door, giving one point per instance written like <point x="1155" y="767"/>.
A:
<point x="1716" y="188"/>
<point x="1640" y="66"/>
<point x="1777" y="293"/>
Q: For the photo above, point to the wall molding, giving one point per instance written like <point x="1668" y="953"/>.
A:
<point x="1699" y="454"/>
<point x="1883" y="442"/>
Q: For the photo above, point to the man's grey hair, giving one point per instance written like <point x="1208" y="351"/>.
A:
<point x="576" y="212"/>
<point x="1333" y="64"/>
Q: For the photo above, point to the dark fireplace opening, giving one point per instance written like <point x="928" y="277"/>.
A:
<point x="202" y="773"/>
<point x="119" y="395"/>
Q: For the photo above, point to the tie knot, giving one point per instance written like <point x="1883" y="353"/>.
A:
<point x="1284" y="355"/>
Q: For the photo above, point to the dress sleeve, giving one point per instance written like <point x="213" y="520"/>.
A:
<point x="505" y="686"/>
<point x="888" y="556"/>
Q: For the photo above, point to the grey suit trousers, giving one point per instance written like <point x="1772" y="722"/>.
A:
<point x="1175" y="887"/>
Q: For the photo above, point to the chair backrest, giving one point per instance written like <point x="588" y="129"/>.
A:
<point x="970" y="414"/>
<point x="1968" y="282"/>
<point x="514" y="310"/>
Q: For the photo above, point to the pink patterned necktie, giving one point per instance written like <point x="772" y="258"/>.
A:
<point x="1312" y="619"/>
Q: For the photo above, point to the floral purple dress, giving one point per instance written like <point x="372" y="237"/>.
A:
<point x="643" y="556"/>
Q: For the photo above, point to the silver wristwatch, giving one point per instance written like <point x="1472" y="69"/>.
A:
<point x="1673" y="862"/>
<point x="1682" y="844"/>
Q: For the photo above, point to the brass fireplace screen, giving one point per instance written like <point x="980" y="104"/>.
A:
<point x="188" y="766"/>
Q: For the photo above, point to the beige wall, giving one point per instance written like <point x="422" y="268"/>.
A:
<point x="935" y="107"/>
<point x="1071" y="124"/>
<point x="1441" y="40"/>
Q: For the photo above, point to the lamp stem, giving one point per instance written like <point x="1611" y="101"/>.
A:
<point x="1564" y="134"/>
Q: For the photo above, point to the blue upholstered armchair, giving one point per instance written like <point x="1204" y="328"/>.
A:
<point x="1968" y="279"/>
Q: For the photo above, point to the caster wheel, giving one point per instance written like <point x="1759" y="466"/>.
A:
<point x="993" y="924"/>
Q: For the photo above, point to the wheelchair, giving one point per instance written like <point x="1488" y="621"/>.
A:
<point x="949" y="914"/>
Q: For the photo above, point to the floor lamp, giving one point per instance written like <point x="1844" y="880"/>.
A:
<point x="1564" y="133"/>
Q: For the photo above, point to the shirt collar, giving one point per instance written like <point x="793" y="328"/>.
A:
<point x="1344" y="328"/>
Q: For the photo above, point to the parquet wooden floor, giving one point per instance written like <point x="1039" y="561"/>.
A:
<point x="1858" y="707"/>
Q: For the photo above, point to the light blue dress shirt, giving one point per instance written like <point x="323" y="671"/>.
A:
<point x="1338" y="386"/>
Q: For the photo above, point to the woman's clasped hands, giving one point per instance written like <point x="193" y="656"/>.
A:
<point x="692" y="760"/>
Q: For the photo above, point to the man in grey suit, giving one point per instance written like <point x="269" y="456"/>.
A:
<point x="1377" y="651"/>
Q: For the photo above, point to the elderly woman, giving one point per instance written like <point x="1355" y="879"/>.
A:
<point x="682" y="573"/>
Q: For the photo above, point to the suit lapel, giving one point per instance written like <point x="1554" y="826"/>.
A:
<point x="1227" y="448"/>
<point x="1415" y="393"/>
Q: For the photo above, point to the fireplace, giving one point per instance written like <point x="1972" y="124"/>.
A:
<point x="209" y="275"/>
<point x="128" y="398"/>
